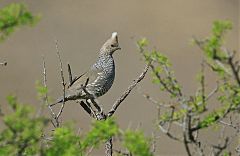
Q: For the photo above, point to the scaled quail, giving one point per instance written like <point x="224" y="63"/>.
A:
<point x="100" y="76"/>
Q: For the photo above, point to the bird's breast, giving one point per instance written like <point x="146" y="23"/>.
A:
<point x="104" y="79"/>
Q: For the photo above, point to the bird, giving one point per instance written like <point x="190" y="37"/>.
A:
<point x="98" y="79"/>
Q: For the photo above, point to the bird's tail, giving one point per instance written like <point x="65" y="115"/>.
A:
<point x="68" y="97"/>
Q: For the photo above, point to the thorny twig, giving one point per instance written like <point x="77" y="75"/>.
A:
<point x="173" y="81"/>
<point x="161" y="81"/>
<point x="152" y="100"/>
<point x="220" y="147"/>
<point x="89" y="151"/>
<point x="70" y="74"/>
<point x="236" y="127"/>
<point x="214" y="91"/>
<point x="46" y="95"/>
<point x="200" y="44"/>
<point x="235" y="67"/>
<point x="63" y="83"/>
<point x="166" y="130"/>
<point x="186" y="129"/>
<point x="202" y="81"/>
<point x="127" y="92"/>
<point x="153" y="150"/>
<point x="122" y="153"/>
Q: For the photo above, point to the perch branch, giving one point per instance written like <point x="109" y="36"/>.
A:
<point x="127" y="92"/>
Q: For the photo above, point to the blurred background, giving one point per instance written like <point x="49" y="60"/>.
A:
<point x="82" y="26"/>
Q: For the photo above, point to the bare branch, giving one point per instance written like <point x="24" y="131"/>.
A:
<point x="220" y="147"/>
<point x="161" y="81"/>
<point x="63" y="82"/>
<point x="152" y="100"/>
<point x="46" y="95"/>
<point x="173" y="81"/>
<point x="153" y="149"/>
<point x="127" y="92"/>
<point x="70" y="74"/>
<point x="186" y="129"/>
<point x="108" y="147"/>
<point x="166" y="130"/>
<point x="169" y="134"/>
<point x="233" y="65"/>
<point x="89" y="151"/>
<point x="214" y="91"/>
<point x="203" y="84"/>
<point x="236" y="127"/>
<point x="122" y="153"/>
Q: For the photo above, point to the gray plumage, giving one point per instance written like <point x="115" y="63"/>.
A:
<point x="100" y="76"/>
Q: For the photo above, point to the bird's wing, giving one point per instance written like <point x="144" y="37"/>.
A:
<point x="91" y="76"/>
<point x="75" y="79"/>
<point x="74" y="89"/>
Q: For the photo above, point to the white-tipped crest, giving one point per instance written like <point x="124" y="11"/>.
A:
<point x="114" y="34"/>
<point x="111" y="45"/>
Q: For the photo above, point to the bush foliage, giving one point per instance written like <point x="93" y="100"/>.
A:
<point x="24" y="135"/>
<point x="24" y="131"/>
<point x="13" y="16"/>
<point x="192" y="113"/>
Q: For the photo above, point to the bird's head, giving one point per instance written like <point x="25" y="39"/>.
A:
<point x="111" y="45"/>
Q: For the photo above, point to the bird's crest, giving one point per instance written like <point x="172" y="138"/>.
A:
<point x="111" y="45"/>
<point x="114" y="35"/>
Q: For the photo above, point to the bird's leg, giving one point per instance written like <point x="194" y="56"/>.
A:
<point x="99" y="109"/>
<point x="85" y="107"/>
<point x="100" y="114"/>
<point x="90" y="107"/>
<point x="92" y="97"/>
<point x="88" y="104"/>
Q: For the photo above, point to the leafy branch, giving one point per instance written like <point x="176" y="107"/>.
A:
<point x="13" y="16"/>
<point x="191" y="113"/>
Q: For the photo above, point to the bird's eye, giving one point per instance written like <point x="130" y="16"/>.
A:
<point x="112" y="45"/>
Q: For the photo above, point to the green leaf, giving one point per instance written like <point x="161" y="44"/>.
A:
<point x="101" y="131"/>
<point x="64" y="143"/>
<point x="13" y="16"/>
<point x="12" y="101"/>
<point x="213" y="45"/>
<point x="23" y="131"/>
<point x="41" y="90"/>
<point x="142" y="42"/>
<point x="136" y="143"/>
